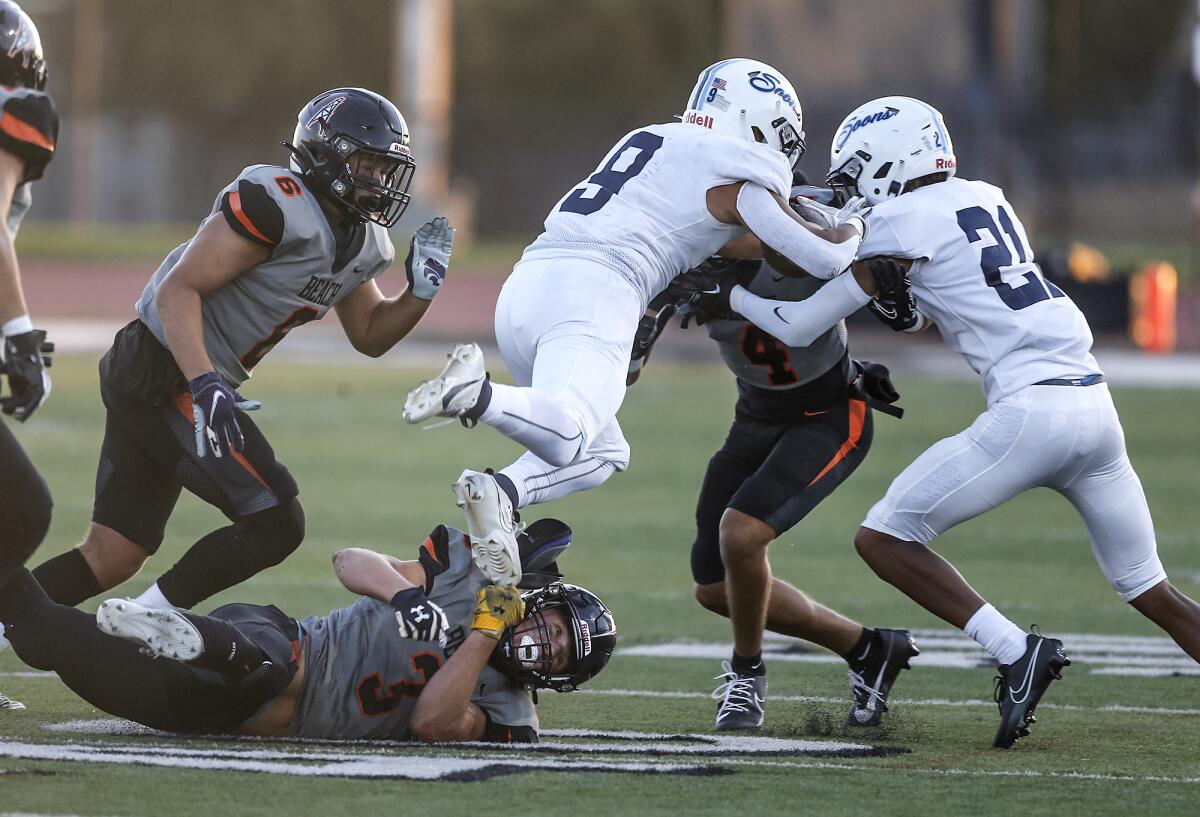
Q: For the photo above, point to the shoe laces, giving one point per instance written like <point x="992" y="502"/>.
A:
<point x="864" y="694"/>
<point x="737" y="693"/>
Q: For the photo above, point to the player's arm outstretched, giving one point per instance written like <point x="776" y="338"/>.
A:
<point x="823" y="250"/>
<point x="373" y="323"/>
<point x="25" y="349"/>
<point x="444" y="711"/>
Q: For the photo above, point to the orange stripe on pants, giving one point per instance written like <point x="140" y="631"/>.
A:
<point x="858" y="415"/>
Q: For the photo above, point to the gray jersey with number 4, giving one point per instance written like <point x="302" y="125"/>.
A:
<point x="362" y="678"/>
<point x="28" y="130"/>
<point x="760" y="360"/>
<point x="311" y="268"/>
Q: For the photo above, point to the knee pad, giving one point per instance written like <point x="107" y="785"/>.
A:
<point x="278" y="531"/>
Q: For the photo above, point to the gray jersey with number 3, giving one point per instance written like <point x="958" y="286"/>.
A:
<point x="362" y="678"/>
<point x="298" y="283"/>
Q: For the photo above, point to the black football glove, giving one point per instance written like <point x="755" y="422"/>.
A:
<point x="649" y="329"/>
<point x="893" y="304"/>
<point x="876" y="381"/>
<point x="26" y="358"/>
<point x="419" y="618"/>
<point x="703" y="291"/>
<point x="213" y="404"/>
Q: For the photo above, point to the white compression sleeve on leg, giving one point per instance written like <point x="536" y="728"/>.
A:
<point x="799" y="323"/>
<point x="536" y="422"/>
<point x="537" y="481"/>
<point x="763" y="215"/>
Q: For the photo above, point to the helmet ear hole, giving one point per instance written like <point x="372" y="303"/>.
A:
<point x="758" y="135"/>
<point x="883" y="170"/>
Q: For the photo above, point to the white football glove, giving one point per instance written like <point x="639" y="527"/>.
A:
<point x="428" y="258"/>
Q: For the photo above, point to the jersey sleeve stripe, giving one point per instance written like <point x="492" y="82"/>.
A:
<point x="858" y="414"/>
<point x="235" y="205"/>
<point x="24" y="132"/>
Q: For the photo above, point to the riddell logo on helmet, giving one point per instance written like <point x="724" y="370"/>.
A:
<point x="854" y="124"/>
<point x="585" y="636"/>
<point x="693" y="118"/>
<point x="944" y="164"/>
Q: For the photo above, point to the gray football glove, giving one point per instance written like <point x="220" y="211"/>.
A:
<point x="429" y="258"/>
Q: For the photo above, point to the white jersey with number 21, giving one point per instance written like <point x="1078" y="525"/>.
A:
<point x="975" y="277"/>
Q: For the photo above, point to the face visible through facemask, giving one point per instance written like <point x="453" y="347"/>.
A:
<point x="542" y="641"/>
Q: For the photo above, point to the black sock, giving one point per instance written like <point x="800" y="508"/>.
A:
<point x="507" y="486"/>
<point x="866" y="642"/>
<point x="226" y="649"/>
<point x="748" y="666"/>
<point x="485" y="398"/>
<point x="68" y="578"/>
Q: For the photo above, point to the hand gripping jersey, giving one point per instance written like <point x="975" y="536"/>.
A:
<point x="761" y="360"/>
<point x="975" y="277"/>
<point x="29" y="131"/>
<point x="310" y="270"/>
<point x="644" y="212"/>
<point x="362" y="679"/>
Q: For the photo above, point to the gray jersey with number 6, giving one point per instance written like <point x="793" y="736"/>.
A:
<point x="312" y="266"/>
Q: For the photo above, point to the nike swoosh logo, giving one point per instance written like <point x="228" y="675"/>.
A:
<point x="1023" y="689"/>
<point x="778" y="278"/>
<point x="778" y="315"/>
<point x="213" y="408"/>
<point x="815" y="413"/>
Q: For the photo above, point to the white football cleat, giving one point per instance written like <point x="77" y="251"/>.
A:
<point x="9" y="704"/>
<point x="490" y="526"/>
<point x="454" y="391"/>
<point x="165" y="633"/>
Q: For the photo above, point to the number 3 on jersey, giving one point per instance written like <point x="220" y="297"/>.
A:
<point x="973" y="221"/>
<point x="627" y="161"/>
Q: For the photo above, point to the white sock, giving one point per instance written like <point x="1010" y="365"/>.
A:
<point x="153" y="597"/>
<point x="996" y="634"/>
<point x="3" y="640"/>
<point x="537" y="481"/>
<point x="531" y="418"/>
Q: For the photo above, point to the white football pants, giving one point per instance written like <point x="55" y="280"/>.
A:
<point x="565" y="328"/>
<point x="1068" y="438"/>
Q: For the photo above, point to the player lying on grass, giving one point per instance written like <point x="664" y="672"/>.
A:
<point x="801" y="426"/>
<point x="963" y="262"/>
<point x="433" y="651"/>
<point x="282" y="247"/>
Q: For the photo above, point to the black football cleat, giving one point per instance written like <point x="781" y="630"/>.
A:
<point x="1021" y="684"/>
<point x="741" y="699"/>
<point x="872" y="675"/>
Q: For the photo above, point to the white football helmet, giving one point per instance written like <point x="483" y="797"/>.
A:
<point x="883" y="145"/>
<point x="748" y="99"/>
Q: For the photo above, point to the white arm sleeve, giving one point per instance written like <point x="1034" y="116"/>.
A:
<point x="761" y="213"/>
<point x="799" y="323"/>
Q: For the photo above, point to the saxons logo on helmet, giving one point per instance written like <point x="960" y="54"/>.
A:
<point x="352" y="144"/>
<point x="886" y="143"/>
<point x="748" y="99"/>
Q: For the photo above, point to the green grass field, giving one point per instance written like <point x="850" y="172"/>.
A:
<point x="368" y="480"/>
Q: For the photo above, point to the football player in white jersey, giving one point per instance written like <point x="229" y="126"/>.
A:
<point x="665" y="198"/>
<point x="1050" y="420"/>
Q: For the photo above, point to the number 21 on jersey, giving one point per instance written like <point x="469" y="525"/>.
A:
<point x="627" y="161"/>
<point x="979" y="226"/>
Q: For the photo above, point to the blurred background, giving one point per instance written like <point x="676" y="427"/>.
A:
<point x="1085" y="112"/>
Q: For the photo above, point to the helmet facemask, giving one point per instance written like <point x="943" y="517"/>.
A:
<point x="536" y="654"/>
<point x="378" y="182"/>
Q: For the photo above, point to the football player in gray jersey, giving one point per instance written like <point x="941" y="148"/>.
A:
<point x="282" y="246"/>
<point x="28" y="133"/>
<point x="433" y="651"/>
<point x="802" y="425"/>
